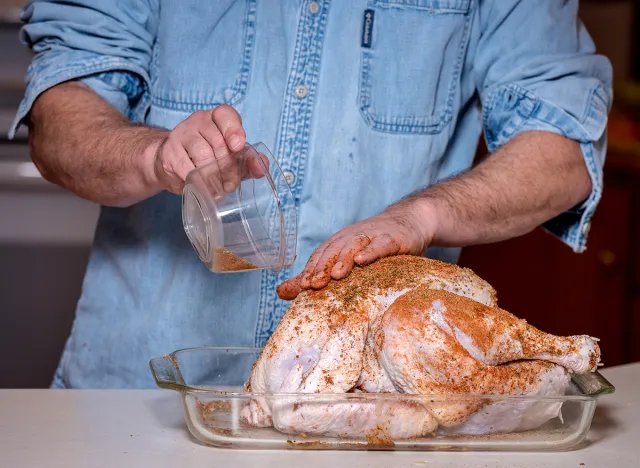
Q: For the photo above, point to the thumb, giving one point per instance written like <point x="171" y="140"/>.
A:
<point x="290" y="289"/>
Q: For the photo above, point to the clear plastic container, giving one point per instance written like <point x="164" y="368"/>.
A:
<point x="210" y="381"/>
<point x="239" y="213"/>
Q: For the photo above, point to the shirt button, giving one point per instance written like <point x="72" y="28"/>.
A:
<point x="586" y="228"/>
<point x="289" y="176"/>
<point x="302" y="91"/>
<point x="314" y="8"/>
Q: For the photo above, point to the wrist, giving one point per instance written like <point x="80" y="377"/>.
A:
<point x="147" y="161"/>
<point x="427" y="218"/>
<point x="422" y="216"/>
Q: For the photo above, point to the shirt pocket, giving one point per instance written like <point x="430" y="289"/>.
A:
<point x="203" y="53"/>
<point x="411" y="70"/>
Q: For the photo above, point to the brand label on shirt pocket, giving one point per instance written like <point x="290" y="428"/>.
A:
<point x="367" y="28"/>
<point x="411" y="63"/>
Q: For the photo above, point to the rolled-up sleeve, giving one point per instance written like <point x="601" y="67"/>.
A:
<point x="105" y="44"/>
<point x="537" y="70"/>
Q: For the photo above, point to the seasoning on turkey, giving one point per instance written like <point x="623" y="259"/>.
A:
<point x="413" y="326"/>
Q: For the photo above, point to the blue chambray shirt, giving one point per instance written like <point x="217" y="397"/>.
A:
<point x="362" y="102"/>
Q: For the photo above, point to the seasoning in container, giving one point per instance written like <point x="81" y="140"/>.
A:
<point x="253" y="226"/>
<point x="226" y="260"/>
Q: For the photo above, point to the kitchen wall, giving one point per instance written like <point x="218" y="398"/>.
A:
<point x="610" y="23"/>
<point x="45" y="238"/>
<point x="10" y="9"/>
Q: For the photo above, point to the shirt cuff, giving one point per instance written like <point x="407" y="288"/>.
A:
<point x="113" y="78"/>
<point x="512" y="110"/>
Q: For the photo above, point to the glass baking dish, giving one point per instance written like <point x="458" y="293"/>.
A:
<point x="210" y="381"/>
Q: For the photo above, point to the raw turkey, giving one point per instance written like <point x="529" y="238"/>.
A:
<point x="406" y="326"/>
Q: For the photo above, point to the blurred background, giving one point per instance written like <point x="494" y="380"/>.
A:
<point x="46" y="233"/>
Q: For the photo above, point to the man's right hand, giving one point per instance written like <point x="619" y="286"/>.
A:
<point x="201" y="138"/>
<point x="123" y="163"/>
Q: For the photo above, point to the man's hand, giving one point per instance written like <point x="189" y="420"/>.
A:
<point x="124" y="163"/>
<point x="202" y="137"/>
<point x="531" y="179"/>
<point x="404" y="228"/>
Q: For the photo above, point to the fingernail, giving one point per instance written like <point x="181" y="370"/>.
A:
<point x="228" y="187"/>
<point x="235" y="142"/>
<point x="338" y="265"/>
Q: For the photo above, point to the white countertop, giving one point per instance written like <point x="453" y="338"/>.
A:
<point x="120" y="428"/>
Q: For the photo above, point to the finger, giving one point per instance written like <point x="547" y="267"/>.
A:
<point x="251" y="167"/>
<point x="290" y="289"/>
<point x="171" y="182"/>
<point x="183" y="168"/>
<point x="173" y="164"/>
<point x="182" y="164"/>
<point x="226" y="162"/>
<point x="226" y="159"/>
<point x="255" y="167"/>
<point x="265" y="163"/>
<point x="229" y="123"/>
<point x="175" y="186"/>
<point x="307" y="273"/>
<point x="322" y="270"/>
<point x="346" y="261"/>
<point x="198" y="149"/>
<point x="381" y="246"/>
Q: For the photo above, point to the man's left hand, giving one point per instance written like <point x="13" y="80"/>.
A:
<point x="404" y="228"/>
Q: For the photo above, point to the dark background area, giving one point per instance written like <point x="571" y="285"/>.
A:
<point x="45" y="233"/>
<point x="596" y="292"/>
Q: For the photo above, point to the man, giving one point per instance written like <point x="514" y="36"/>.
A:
<point x="362" y="103"/>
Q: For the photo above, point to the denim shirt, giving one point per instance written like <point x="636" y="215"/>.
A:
<point x="361" y="102"/>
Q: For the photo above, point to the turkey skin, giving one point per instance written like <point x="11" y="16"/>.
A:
<point x="406" y="326"/>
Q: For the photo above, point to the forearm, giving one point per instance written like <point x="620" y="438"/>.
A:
<point x="82" y="143"/>
<point x="531" y="179"/>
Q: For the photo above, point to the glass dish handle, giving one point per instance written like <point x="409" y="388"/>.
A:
<point x="593" y="384"/>
<point x="166" y="372"/>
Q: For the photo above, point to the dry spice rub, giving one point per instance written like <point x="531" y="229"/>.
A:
<point x="412" y="326"/>
<point x="224" y="260"/>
